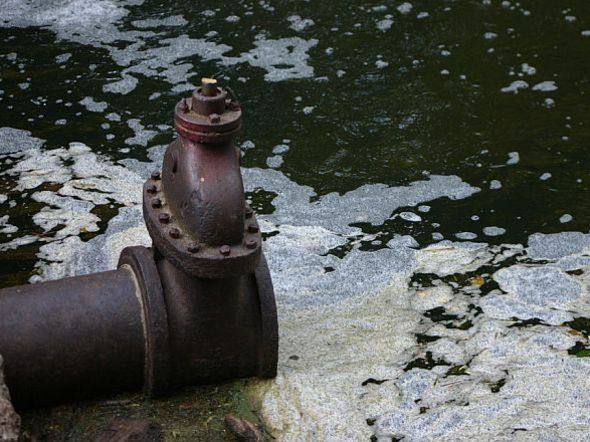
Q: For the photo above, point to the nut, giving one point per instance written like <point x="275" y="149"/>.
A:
<point x="152" y="188"/>
<point x="214" y="118"/>
<point x="174" y="233"/>
<point x="249" y="212"/>
<point x="156" y="203"/>
<point x="194" y="247"/>
<point x="251" y="244"/>
<point x="156" y="175"/>
<point x="253" y="228"/>
<point x="225" y="250"/>
<point x="164" y="218"/>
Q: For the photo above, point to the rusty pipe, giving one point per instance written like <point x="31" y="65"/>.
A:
<point x="66" y="339"/>
<point x="197" y="307"/>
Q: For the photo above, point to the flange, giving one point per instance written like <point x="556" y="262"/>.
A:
<point x="209" y="116"/>
<point x="155" y="319"/>
<point x="186" y="252"/>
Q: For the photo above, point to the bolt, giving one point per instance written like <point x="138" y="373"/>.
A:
<point x="174" y="233"/>
<point x="194" y="247"/>
<point x="164" y="218"/>
<point x="214" y="118"/>
<point x="156" y="175"/>
<point x="208" y="86"/>
<point x="156" y="203"/>
<point x="249" y="212"/>
<point x="234" y="105"/>
<point x="251" y="244"/>
<point x="152" y="188"/>
<point x="253" y="228"/>
<point x="225" y="250"/>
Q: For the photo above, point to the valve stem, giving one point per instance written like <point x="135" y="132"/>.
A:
<point x="208" y="86"/>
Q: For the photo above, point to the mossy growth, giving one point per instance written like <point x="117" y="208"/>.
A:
<point x="191" y="414"/>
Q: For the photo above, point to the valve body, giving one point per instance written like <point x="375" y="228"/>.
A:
<point x="197" y="307"/>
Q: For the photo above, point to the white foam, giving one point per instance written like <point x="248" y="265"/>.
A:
<point x="515" y="86"/>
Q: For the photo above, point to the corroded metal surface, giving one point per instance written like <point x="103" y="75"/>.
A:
<point x="211" y="116"/>
<point x="198" y="307"/>
<point x="71" y="338"/>
<point x="219" y="297"/>
<point x="154" y="317"/>
<point x="195" y="208"/>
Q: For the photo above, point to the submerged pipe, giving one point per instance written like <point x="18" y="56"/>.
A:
<point x="196" y="308"/>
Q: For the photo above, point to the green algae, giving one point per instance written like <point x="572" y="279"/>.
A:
<point x="191" y="414"/>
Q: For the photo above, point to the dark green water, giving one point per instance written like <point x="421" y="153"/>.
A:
<point x="364" y="103"/>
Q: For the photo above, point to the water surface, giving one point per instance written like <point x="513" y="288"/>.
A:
<point x="337" y="95"/>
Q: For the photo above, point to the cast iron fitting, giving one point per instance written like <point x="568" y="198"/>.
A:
<point x="72" y="338"/>
<point x="208" y="230"/>
<point x="211" y="116"/>
<point x="198" y="307"/>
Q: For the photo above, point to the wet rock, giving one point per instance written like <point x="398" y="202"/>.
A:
<point x="9" y="420"/>
<point x="127" y="430"/>
<point x="243" y="429"/>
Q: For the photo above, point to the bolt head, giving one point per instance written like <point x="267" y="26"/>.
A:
<point x="251" y="244"/>
<point x="164" y="218"/>
<point x="156" y="203"/>
<point x="152" y="188"/>
<point x="174" y="233"/>
<point x="194" y="247"/>
<point x="249" y="212"/>
<point x="234" y="105"/>
<point x="225" y="250"/>
<point x="253" y="228"/>
<point x="214" y="118"/>
<point x="156" y="175"/>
